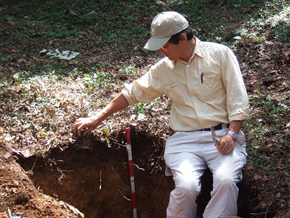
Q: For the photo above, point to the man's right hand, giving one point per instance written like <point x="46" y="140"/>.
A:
<point x="85" y="125"/>
<point x="88" y="124"/>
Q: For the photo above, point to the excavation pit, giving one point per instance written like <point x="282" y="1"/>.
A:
<point x="95" y="179"/>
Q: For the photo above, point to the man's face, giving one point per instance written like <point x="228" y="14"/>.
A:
<point x="170" y="50"/>
<point x="175" y="51"/>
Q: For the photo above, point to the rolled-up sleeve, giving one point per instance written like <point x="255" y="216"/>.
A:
<point x="145" y="89"/>
<point x="237" y="97"/>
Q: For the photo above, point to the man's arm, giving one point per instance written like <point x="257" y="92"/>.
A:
<point x="237" y="100"/>
<point x="88" y="124"/>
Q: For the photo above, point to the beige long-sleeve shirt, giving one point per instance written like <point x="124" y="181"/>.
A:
<point x="208" y="90"/>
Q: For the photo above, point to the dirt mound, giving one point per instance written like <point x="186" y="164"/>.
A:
<point x="19" y="196"/>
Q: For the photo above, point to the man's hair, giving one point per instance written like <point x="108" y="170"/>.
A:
<point x="188" y="32"/>
<point x="176" y="38"/>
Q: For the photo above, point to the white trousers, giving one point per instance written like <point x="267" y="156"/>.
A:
<point x="187" y="155"/>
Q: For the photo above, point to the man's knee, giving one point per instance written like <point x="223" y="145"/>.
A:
<point x="224" y="180"/>
<point x="188" y="188"/>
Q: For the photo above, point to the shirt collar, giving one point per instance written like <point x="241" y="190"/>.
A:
<point x="197" y="51"/>
<point x="198" y="48"/>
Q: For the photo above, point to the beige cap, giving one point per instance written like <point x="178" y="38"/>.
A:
<point x="163" y="26"/>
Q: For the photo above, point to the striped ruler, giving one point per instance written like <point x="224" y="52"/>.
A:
<point x="129" y="149"/>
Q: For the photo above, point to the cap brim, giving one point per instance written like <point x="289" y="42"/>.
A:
<point x="154" y="44"/>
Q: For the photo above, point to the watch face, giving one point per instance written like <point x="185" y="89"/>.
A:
<point x="233" y="134"/>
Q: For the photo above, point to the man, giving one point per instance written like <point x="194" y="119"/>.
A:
<point x="204" y="81"/>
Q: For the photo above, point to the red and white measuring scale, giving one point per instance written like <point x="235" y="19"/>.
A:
<point x="129" y="149"/>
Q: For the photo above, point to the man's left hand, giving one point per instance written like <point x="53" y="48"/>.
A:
<point x="226" y="144"/>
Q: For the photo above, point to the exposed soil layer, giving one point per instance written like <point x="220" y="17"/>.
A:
<point x="95" y="179"/>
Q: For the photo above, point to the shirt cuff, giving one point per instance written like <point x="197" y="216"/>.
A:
<point x="128" y="94"/>
<point x="240" y="114"/>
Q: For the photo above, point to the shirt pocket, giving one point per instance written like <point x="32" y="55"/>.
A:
<point x="209" y="83"/>
<point x="174" y="91"/>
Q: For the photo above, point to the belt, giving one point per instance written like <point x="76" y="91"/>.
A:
<point x="218" y="127"/>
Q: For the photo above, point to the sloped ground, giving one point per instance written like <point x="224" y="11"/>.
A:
<point x="43" y="163"/>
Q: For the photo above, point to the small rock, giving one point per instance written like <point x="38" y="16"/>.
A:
<point x="22" y="198"/>
<point x="21" y="60"/>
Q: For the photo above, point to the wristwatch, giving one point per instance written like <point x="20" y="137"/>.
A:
<point x="233" y="134"/>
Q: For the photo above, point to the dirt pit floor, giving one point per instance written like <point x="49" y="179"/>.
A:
<point x="95" y="180"/>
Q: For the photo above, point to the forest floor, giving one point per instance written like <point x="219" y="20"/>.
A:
<point x="47" y="171"/>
